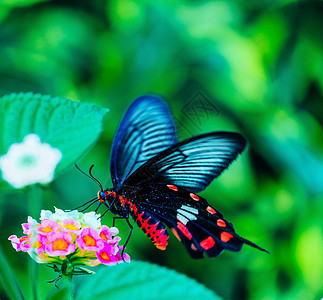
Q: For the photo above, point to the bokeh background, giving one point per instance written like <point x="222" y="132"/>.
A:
<point x="249" y="66"/>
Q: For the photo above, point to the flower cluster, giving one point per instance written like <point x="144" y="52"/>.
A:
<point x="70" y="236"/>
<point x="29" y="162"/>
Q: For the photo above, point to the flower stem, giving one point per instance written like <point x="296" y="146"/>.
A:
<point x="34" y="204"/>
<point x="68" y="285"/>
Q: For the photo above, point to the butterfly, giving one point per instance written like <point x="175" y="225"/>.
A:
<point x="156" y="180"/>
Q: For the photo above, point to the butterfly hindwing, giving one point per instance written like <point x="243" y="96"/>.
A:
<point x="192" y="163"/>
<point x="146" y="129"/>
<point x="200" y="227"/>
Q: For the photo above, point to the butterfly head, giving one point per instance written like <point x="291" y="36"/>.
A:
<point x="104" y="196"/>
<point x="101" y="196"/>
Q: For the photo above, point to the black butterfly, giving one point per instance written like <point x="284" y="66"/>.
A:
<point x="155" y="180"/>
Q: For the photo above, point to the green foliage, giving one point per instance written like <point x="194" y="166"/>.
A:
<point x="141" y="280"/>
<point x="68" y="125"/>
<point x="258" y="62"/>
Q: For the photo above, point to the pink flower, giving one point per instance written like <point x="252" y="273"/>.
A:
<point x="47" y="227"/>
<point x="59" y="244"/>
<point x="40" y="243"/>
<point x="107" y="233"/>
<point x="90" y="240"/>
<point x="20" y="244"/>
<point x="126" y="257"/>
<point x="70" y="225"/>
<point x="106" y="255"/>
<point x="71" y="238"/>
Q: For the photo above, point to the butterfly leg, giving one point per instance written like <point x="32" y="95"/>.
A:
<point x="124" y="246"/>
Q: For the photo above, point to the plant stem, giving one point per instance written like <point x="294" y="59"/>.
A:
<point x="34" y="204"/>
<point x="68" y="285"/>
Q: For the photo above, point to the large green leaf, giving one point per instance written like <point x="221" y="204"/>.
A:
<point x="141" y="280"/>
<point x="70" y="126"/>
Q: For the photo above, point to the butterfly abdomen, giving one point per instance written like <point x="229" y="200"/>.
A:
<point x="148" y="223"/>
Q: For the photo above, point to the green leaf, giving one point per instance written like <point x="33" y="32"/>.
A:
<point x="141" y="280"/>
<point x="8" y="280"/>
<point x="70" y="126"/>
<point x="18" y="3"/>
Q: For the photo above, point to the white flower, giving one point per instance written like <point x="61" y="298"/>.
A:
<point x="91" y="219"/>
<point x="45" y="214"/>
<point x="60" y="215"/>
<point x="29" y="162"/>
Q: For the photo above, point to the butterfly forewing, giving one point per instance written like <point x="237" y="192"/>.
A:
<point x="192" y="163"/>
<point x="145" y="130"/>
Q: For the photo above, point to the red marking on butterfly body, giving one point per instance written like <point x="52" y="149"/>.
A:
<point x="208" y="243"/>
<point x="106" y="194"/>
<point x="172" y="187"/>
<point x="158" y="236"/>
<point x="194" y="197"/>
<point x="226" y="236"/>
<point x="184" y="230"/>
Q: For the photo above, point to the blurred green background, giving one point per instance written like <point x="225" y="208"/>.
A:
<point x="256" y="65"/>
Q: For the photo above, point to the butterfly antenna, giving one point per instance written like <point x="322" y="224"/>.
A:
<point x="90" y="175"/>
<point x="92" y="201"/>
<point x="93" y="178"/>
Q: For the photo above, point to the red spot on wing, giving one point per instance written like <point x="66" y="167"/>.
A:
<point x="172" y="187"/>
<point x="221" y="223"/>
<point x="226" y="236"/>
<point x="211" y="210"/>
<point x="176" y="234"/>
<point x="193" y="247"/>
<point x="208" y="243"/>
<point x="184" y="230"/>
<point x="194" y="197"/>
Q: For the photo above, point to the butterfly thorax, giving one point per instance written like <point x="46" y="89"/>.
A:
<point x="124" y="204"/>
<point x="117" y="202"/>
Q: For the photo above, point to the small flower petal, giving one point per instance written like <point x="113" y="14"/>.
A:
<point x="70" y="225"/>
<point x="20" y="244"/>
<point x="47" y="227"/>
<point x="106" y="255"/>
<point x="89" y="240"/>
<point x="40" y="243"/>
<point x="45" y="214"/>
<point x="107" y="233"/>
<point x="30" y="226"/>
<point x="59" y="244"/>
<point x="91" y="219"/>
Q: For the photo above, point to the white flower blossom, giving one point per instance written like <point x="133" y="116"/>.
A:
<point x="29" y="162"/>
<point x="90" y="219"/>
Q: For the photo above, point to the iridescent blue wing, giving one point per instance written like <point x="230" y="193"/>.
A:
<point x="193" y="163"/>
<point x="146" y="129"/>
